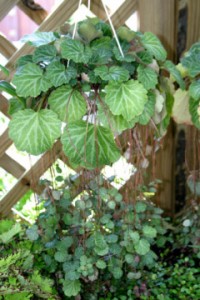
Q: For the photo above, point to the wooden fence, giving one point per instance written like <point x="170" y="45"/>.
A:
<point x="158" y="16"/>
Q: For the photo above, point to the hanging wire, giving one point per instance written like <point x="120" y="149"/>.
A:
<point x="89" y="4"/>
<point x="113" y="29"/>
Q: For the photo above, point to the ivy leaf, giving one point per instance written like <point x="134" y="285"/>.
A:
<point x="43" y="129"/>
<point x="7" y="87"/>
<point x="115" y="73"/>
<point x="76" y="51"/>
<point x="194" y="107"/>
<point x="171" y="68"/>
<point x="194" y="89"/>
<point x="147" y="76"/>
<point x="37" y="39"/>
<point x="44" y="54"/>
<point x="142" y="247"/>
<point x="149" y="231"/>
<point x="149" y="109"/>
<point x="30" y="81"/>
<point x="127" y="99"/>
<point x="68" y="103"/>
<point x="115" y="123"/>
<point x="58" y="74"/>
<point x="180" y="111"/>
<point x="191" y="61"/>
<point x="71" y="287"/>
<point x="89" y="145"/>
<point x="154" y="46"/>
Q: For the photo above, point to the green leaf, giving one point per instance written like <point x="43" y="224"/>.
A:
<point x="115" y="123"/>
<point x="58" y="74"/>
<point x="154" y="46"/>
<point x="194" y="107"/>
<point x="101" y="50"/>
<point x="171" y="68"/>
<point x="89" y="145"/>
<point x="127" y="99"/>
<point x="4" y="70"/>
<point x="147" y="76"/>
<point x="68" y="103"/>
<point x="101" y="264"/>
<point x="142" y="247"/>
<point x="7" y="87"/>
<point x="127" y="56"/>
<point x="149" y="231"/>
<point x="15" y="105"/>
<point x="191" y="61"/>
<point x="43" y="129"/>
<point x="99" y="240"/>
<point x="30" y="81"/>
<point x="140" y="207"/>
<point x="129" y="258"/>
<point x="76" y="51"/>
<point x="23" y="60"/>
<point x="117" y="273"/>
<point x="149" y="109"/>
<point x="71" y="287"/>
<point x="44" y="54"/>
<point x="115" y="73"/>
<point x="7" y="236"/>
<point x="194" y="90"/>
<point x="32" y="233"/>
<point x="37" y="39"/>
<point x="61" y="256"/>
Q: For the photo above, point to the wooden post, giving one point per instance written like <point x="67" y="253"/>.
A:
<point x="160" y="17"/>
<point x="192" y="133"/>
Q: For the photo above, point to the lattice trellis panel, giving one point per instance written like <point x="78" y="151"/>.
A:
<point x="28" y="179"/>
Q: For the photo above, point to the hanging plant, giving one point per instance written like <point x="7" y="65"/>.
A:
<point x="97" y="85"/>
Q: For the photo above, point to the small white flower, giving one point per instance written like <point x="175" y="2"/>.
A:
<point x="187" y="223"/>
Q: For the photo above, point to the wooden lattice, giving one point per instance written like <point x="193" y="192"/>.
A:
<point x="158" y="16"/>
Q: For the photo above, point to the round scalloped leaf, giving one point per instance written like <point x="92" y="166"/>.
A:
<point x="37" y="39"/>
<point x="194" y="107"/>
<point x="89" y="145"/>
<point x="117" y="273"/>
<point x="191" y="61"/>
<point x="61" y="256"/>
<point x="127" y="99"/>
<point x="76" y="51"/>
<point x="32" y="233"/>
<point x="154" y="46"/>
<point x="43" y="127"/>
<point x="149" y="109"/>
<point x="140" y="207"/>
<point x="58" y="74"/>
<point x="30" y="81"/>
<point x="68" y="103"/>
<point x="115" y="73"/>
<point x="149" y="231"/>
<point x="147" y="76"/>
<point x="44" y="54"/>
<point x="101" y="264"/>
<point x="71" y="287"/>
<point x="180" y="111"/>
<point x="194" y="90"/>
<point x="142" y="247"/>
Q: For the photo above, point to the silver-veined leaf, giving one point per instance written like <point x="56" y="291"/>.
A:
<point x="154" y="46"/>
<point x="37" y="39"/>
<point x="191" y="61"/>
<point x="30" y="81"/>
<point x="194" y="107"/>
<point x="194" y="90"/>
<point x="45" y="54"/>
<point x="147" y="76"/>
<point x="149" y="109"/>
<point x="58" y="74"/>
<point x="89" y="145"/>
<point x="68" y="103"/>
<point x="115" y="73"/>
<point x="75" y="50"/>
<point x="43" y="127"/>
<point x="127" y="99"/>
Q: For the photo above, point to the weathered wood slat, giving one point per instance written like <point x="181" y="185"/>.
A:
<point x="6" y="6"/>
<point x="29" y="179"/>
<point x="11" y="166"/>
<point x="4" y="104"/>
<point x="38" y="16"/>
<point x="124" y="12"/>
<point x="5" y="142"/>
<point x="161" y="18"/>
<point x="7" y="49"/>
<point x="52" y="22"/>
<point x="97" y="8"/>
